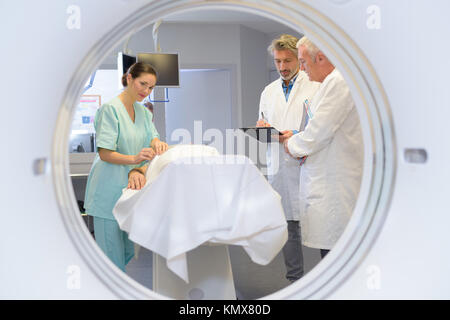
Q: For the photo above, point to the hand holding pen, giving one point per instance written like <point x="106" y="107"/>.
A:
<point x="262" y="122"/>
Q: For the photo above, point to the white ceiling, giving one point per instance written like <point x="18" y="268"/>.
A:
<point x="253" y="21"/>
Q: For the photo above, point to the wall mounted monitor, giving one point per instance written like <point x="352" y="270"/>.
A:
<point x="166" y="66"/>
<point x="124" y="61"/>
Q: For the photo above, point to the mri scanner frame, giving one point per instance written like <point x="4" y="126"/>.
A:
<point x="372" y="105"/>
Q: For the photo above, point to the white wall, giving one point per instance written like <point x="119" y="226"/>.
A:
<point x="207" y="46"/>
<point x="254" y="73"/>
<point x="203" y="96"/>
<point x="105" y="84"/>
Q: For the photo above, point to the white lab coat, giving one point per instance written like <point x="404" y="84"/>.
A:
<point x="331" y="175"/>
<point x="284" y="174"/>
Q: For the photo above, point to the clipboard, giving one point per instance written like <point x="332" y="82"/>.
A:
<point x="262" y="134"/>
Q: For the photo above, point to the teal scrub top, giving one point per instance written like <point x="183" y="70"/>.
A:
<point x="117" y="132"/>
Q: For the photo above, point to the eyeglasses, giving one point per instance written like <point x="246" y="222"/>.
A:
<point x="145" y="85"/>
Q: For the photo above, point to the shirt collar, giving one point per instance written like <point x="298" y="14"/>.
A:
<point x="291" y="82"/>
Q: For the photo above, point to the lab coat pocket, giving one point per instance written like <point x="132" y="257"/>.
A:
<point x="313" y="184"/>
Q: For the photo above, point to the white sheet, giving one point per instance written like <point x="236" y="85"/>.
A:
<point x="194" y="195"/>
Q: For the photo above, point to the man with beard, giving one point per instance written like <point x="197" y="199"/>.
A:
<point x="281" y="107"/>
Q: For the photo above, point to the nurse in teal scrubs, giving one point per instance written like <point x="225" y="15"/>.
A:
<point x="126" y="139"/>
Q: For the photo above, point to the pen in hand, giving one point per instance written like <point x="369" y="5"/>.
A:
<point x="262" y="122"/>
<point x="265" y="123"/>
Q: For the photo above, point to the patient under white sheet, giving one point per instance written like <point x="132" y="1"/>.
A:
<point x="195" y="195"/>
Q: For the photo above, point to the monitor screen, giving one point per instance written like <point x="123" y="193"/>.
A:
<point x="166" y="66"/>
<point x="124" y="62"/>
<point x="128" y="61"/>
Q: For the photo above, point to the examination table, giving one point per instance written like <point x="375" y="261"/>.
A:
<point x="194" y="203"/>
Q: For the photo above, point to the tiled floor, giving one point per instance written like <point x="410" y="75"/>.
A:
<point x="140" y="268"/>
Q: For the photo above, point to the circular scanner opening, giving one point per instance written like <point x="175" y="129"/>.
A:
<point x="376" y="123"/>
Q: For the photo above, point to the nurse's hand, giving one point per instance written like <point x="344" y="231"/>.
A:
<point x="136" y="180"/>
<point x="144" y="154"/>
<point x="159" y="146"/>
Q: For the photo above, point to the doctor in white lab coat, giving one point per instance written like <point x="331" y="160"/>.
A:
<point x="331" y="147"/>
<point x="281" y="107"/>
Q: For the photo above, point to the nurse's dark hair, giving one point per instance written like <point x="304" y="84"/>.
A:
<point x="136" y="70"/>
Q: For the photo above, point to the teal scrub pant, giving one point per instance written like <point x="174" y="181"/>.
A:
<point x="113" y="241"/>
